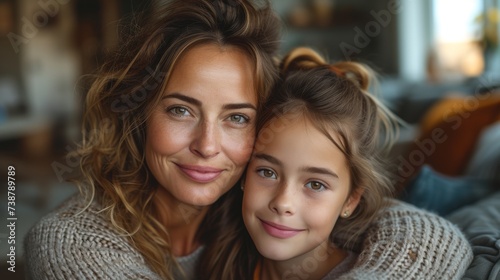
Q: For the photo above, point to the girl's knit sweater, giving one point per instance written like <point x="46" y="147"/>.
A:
<point x="403" y="243"/>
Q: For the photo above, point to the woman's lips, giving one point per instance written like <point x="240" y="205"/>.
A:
<point x="279" y="231"/>
<point x="201" y="174"/>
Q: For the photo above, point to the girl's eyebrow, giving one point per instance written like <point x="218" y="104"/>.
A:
<point x="309" y="169"/>
<point x="319" y="170"/>
<point x="196" y="102"/>
<point x="268" y="158"/>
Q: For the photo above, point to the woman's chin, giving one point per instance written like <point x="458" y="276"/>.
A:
<point x="200" y="201"/>
<point x="200" y="197"/>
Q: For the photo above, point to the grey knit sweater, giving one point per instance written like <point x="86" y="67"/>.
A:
<point x="404" y="243"/>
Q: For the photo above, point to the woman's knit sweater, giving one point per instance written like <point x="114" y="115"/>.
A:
<point x="403" y="243"/>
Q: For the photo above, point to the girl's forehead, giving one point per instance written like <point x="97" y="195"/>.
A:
<point x="300" y="145"/>
<point x="281" y="122"/>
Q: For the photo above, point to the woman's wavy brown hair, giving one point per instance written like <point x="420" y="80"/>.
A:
<point x="335" y="98"/>
<point x="124" y="93"/>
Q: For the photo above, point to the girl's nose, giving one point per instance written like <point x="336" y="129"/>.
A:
<point x="282" y="202"/>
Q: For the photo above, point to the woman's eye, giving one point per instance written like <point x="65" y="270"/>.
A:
<point x="315" y="186"/>
<point x="266" y="173"/>
<point x="179" y="111"/>
<point x="240" y="119"/>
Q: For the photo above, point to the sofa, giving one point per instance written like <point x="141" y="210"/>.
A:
<point x="451" y="164"/>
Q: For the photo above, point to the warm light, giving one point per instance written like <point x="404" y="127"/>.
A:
<point x="455" y="21"/>
<point x="457" y="38"/>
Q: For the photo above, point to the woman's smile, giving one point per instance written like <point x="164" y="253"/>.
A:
<point x="200" y="174"/>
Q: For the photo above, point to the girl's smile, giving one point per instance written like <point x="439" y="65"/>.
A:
<point x="296" y="187"/>
<point x="279" y="231"/>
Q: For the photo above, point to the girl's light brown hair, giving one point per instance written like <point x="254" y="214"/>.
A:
<point x="124" y="93"/>
<point x="335" y="98"/>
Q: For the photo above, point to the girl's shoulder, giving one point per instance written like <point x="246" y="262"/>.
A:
<point x="76" y="241"/>
<point x="402" y="241"/>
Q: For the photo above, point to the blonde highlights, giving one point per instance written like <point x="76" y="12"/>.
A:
<point x="130" y="85"/>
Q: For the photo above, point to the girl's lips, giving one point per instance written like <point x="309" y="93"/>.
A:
<point x="201" y="174"/>
<point x="279" y="231"/>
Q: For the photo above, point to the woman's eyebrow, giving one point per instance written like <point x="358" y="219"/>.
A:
<point x="198" y="103"/>
<point x="234" y="106"/>
<point x="185" y="98"/>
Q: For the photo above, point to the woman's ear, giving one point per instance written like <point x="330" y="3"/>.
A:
<point x="352" y="202"/>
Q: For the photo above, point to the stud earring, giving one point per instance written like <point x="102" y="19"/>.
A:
<point x="242" y="186"/>
<point x="346" y="214"/>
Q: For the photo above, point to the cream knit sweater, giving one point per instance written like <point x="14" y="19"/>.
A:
<point x="404" y="243"/>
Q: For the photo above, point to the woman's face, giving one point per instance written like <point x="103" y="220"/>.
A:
<point x="200" y="136"/>
<point x="296" y="187"/>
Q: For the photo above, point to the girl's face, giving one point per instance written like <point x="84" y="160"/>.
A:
<point x="200" y="136"/>
<point x="297" y="186"/>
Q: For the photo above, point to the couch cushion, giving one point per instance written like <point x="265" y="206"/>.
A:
<point x="481" y="225"/>
<point x="485" y="161"/>
<point x="443" y="194"/>
<point x="449" y="132"/>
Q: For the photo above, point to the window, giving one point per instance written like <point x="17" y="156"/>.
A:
<point x="457" y="39"/>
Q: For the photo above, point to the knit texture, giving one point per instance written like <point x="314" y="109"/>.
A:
<point x="404" y="243"/>
<point x="408" y="243"/>
<point x="67" y="245"/>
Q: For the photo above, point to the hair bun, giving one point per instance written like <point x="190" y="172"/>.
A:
<point x="358" y="73"/>
<point x="301" y="58"/>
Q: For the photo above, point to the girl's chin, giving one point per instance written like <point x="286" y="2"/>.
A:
<point x="273" y="255"/>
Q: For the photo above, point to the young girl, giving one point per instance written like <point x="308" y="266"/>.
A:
<point x="315" y="177"/>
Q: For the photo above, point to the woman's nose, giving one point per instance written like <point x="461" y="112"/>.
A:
<point x="207" y="140"/>
<point x="282" y="202"/>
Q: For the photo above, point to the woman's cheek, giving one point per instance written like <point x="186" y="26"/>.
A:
<point x="241" y="148"/>
<point x="166" y="135"/>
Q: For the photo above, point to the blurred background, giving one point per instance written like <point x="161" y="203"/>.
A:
<point x="425" y="51"/>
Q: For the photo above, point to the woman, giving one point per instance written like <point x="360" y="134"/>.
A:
<point x="170" y="125"/>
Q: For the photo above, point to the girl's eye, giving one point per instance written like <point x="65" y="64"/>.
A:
<point x="179" y="111"/>
<point x="316" y="186"/>
<point x="267" y="173"/>
<point x="240" y="119"/>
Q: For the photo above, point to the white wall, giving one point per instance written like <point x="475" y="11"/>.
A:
<point x="415" y="38"/>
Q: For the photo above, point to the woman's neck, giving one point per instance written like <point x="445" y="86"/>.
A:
<point x="312" y="265"/>
<point x="181" y="221"/>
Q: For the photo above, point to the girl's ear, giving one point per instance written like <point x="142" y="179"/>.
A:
<point x="352" y="202"/>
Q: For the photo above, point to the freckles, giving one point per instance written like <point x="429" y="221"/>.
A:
<point x="318" y="217"/>
<point x="164" y="135"/>
<point x="241" y="147"/>
<point x="158" y="140"/>
<point x="245" y="153"/>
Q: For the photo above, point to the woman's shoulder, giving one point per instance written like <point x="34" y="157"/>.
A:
<point x="76" y="241"/>
<point x="71" y="222"/>
<point x="407" y="242"/>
